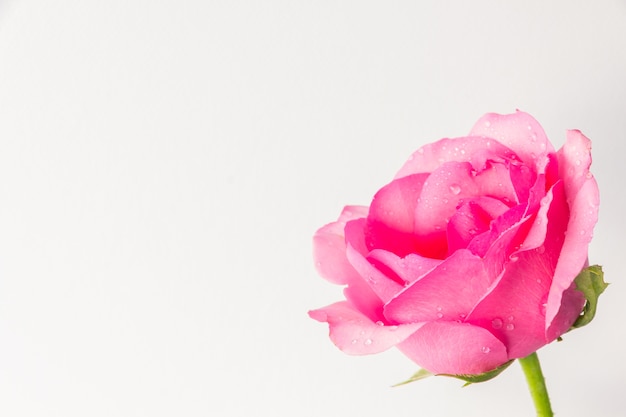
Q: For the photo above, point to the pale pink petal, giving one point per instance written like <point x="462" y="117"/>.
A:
<point x="574" y="162"/>
<point x="454" y="348"/>
<point x="448" y="292"/>
<point x="356" y="334"/>
<point x="518" y="131"/>
<point x="329" y="248"/>
<point x="474" y="150"/>
<point x="391" y="218"/>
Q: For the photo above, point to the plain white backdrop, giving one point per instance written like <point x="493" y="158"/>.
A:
<point x="164" y="164"/>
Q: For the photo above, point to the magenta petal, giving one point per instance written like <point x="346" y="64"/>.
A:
<point x="390" y="223"/>
<point x="381" y="284"/>
<point x="514" y="310"/>
<point x="329" y="248"/>
<point x="448" y="292"/>
<point x="518" y="131"/>
<point x="581" y="191"/>
<point x="573" y="257"/>
<point x="454" y="348"/>
<point x="356" y="334"/>
<point x="472" y="218"/>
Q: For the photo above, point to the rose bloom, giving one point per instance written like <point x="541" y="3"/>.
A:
<point x="467" y="259"/>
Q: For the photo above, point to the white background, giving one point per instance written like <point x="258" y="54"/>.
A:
<point x="164" y="164"/>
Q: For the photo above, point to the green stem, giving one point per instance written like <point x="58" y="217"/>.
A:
<point x="536" y="385"/>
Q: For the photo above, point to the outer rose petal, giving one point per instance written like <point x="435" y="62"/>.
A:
<point x="329" y="248"/>
<point x="475" y="150"/>
<point x="454" y="348"/>
<point x="518" y="131"/>
<point x="583" y="197"/>
<point x="356" y="334"/>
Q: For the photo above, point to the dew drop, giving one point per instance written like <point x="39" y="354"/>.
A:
<point x="510" y="326"/>
<point x="367" y="342"/>
<point x="439" y="308"/>
<point x="496" y="323"/>
<point x="380" y="323"/>
<point x="485" y="349"/>
<point x="589" y="174"/>
<point x="439" y="315"/>
<point x="371" y="279"/>
<point x="514" y="257"/>
<point x="393" y="328"/>
<point x="354" y="341"/>
<point x="455" y="189"/>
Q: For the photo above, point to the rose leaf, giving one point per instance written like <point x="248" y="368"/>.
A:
<point x="421" y="374"/>
<point x="473" y="379"/>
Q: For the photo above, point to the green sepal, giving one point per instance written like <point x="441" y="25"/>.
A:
<point x="421" y="374"/>
<point x="591" y="283"/>
<point x="473" y="379"/>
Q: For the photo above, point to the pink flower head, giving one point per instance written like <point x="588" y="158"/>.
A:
<point x="467" y="259"/>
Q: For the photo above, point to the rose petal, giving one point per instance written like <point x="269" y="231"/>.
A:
<point x="581" y="191"/>
<point x="454" y="182"/>
<point x="518" y="131"/>
<point x="329" y="248"/>
<point x="470" y="219"/>
<point x="573" y="256"/>
<point x="391" y="216"/>
<point x="454" y="348"/>
<point x="356" y="334"/>
<point x="409" y="269"/>
<point x="513" y="311"/>
<point x="448" y="292"/>
<point x="381" y="284"/>
<point x="475" y="150"/>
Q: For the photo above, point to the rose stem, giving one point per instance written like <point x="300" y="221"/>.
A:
<point x="536" y="384"/>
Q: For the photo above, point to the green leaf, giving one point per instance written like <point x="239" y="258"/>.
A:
<point x="591" y="283"/>
<point x="421" y="374"/>
<point x="472" y="379"/>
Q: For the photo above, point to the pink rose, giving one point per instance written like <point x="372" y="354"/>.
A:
<point x="467" y="259"/>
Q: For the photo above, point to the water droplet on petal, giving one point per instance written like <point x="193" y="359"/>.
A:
<point x="496" y="323"/>
<point x="367" y="342"/>
<point x="354" y="341"/>
<point x="439" y="315"/>
<point x="589" y="174"/>
<point x="455" y="189"/>
<point x="510" y="326"/>
<point x="380" y="323"/>
<point x="393" y="328"/>
<point x="514" y="257"/>
<point x="485" y="349"/>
